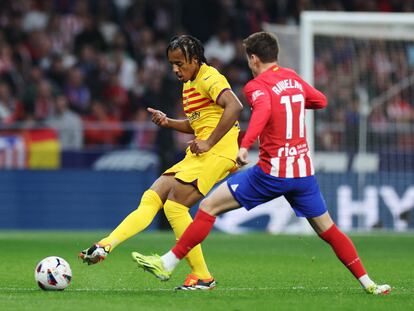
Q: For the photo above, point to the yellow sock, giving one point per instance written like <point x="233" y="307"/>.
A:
<point x="179" y="217"/>
<point x="136" y="221"/>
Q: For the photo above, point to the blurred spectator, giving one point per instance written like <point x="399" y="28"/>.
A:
<point x="154" y="62"/>
<point x="144" y="133"/>
<point x="399" y="110"/>
<point x="221" y="47"/>
<point x="161" y="19"/>
<point x="99" y="78"/>
<point x="35" y="19"/>
<point x="117" y="98"/>
<point x="57" y="72"/>
<point x="6" y="59"/>
<point x="125" y="66"/>
<point x="76" y="91"/>
<point x="379" y="120"/>
<point x="344" y="65"/>
<point x="140" y="84"/>
<point x="32" y="81"/>
<point x="89" y="35"/>
<point x="143" y="42"/>
<point x="44" y="101"/>
<point x="87" y="62"/>
<point x="72" y="23"/>
<point x="115" y="50"/>
<point x="67" y="123"/>
<point x="55" y="32"/>
<point x="14" y="28"/>
<point x="10" y="108"/>
<point x="101" y="129"/>
<point x="257" y="15"/>
<point x="39" y="47"/>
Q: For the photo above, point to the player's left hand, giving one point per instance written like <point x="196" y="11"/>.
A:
<point x="242" y="159"/>
<point x="198" y="146"/>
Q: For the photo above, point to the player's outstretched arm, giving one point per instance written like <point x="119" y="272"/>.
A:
<point x="315" y="99"/>
<point x="161" y="119"/>
<point x="232" y="109"/>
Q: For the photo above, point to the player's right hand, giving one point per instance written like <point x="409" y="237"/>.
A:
<point x="241" y="159"/>
<point x="158" y="117"/>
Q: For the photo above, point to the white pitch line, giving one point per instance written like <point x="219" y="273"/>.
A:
<point x="220" y="289"/>
<point x="224" y="289"/>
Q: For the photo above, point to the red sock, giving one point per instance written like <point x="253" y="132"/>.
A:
<point x="344" y="249"/>
<point x="196" y="232"/>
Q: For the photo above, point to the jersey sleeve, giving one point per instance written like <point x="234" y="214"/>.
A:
<point x="314" y="99"/>
<point x="260" y="101"/>
<point x="215" y="84"/>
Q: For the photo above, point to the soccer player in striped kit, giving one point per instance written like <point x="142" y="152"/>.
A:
<point x="212" y="111"/>
<point x="278" y="98"/>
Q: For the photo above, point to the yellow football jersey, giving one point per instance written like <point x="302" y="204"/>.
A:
<point x="200" y="106"/>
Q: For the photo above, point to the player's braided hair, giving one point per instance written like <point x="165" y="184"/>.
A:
<point x="189" y="46"/>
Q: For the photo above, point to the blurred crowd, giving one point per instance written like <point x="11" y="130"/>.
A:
<point x="89" y="68"/>
<point x="349" y="69"/>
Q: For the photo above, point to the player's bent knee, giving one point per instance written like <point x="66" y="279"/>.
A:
<point x="207" y="206"/>
<point x="173" y="209"/>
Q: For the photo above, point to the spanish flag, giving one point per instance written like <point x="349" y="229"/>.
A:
<point x="43" y="149"/>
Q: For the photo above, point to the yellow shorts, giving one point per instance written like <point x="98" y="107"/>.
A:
<point x="203" y="171"/>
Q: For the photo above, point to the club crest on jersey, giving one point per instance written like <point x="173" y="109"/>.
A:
<point x="256" y="94"/>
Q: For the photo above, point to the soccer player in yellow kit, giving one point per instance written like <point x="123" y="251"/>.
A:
<point x="212" y="111"/>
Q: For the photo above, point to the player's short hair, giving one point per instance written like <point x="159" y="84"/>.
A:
<point x="190" y="46"/>
<point x="262" y="44"/>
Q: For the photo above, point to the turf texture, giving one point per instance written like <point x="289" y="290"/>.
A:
<point x="256" y="271"/>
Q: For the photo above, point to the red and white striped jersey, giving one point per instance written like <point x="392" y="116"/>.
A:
<point x="278" y="98"/>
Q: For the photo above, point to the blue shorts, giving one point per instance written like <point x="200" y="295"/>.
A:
<point x="253" y="187"/>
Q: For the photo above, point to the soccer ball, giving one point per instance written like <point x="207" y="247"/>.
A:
<point x="53" y="273"/>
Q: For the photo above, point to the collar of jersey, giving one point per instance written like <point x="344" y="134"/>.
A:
<point x="273" y="68"/>
<point x="201" y="71"/>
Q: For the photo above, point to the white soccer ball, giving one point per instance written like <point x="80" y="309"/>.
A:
<point x="53" y="273"/>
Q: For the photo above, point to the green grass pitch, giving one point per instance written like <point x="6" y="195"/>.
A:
<point x="254" y="272"/>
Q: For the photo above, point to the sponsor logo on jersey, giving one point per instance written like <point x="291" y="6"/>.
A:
<point x="256" y="94"/>
<point x="288" y="151"/>
<point x="194" y="116"/>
